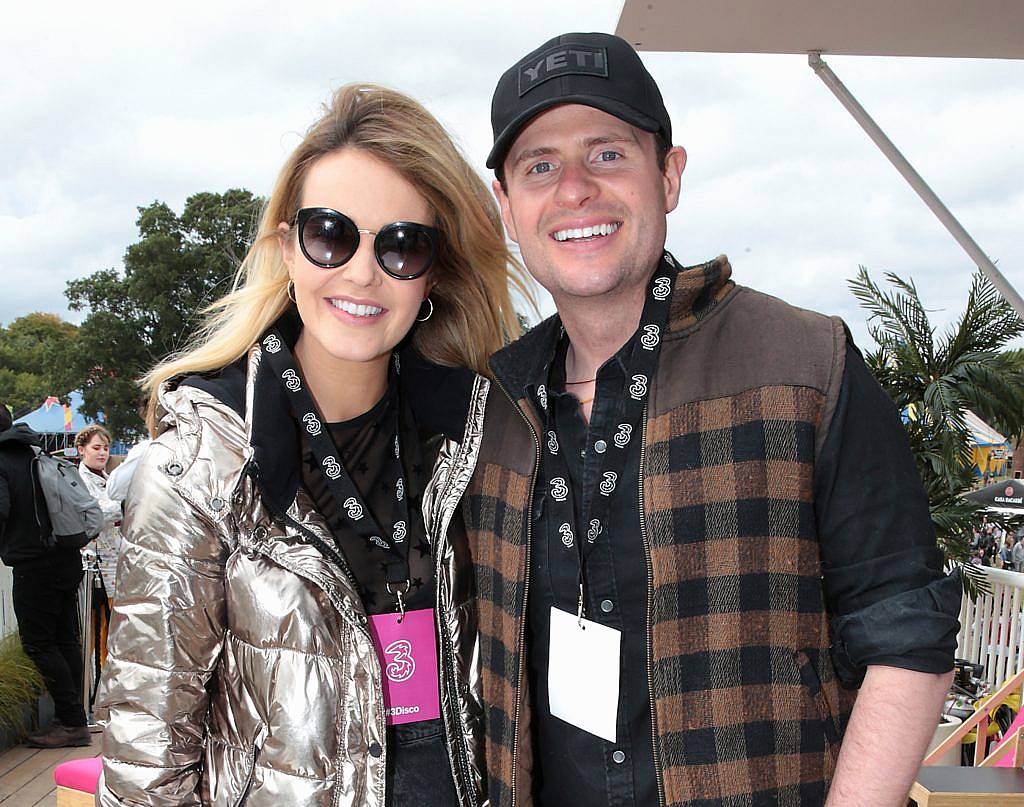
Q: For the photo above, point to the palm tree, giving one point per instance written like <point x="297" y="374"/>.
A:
<point x="934" y="379"/>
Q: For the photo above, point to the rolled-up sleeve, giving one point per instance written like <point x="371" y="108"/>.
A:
<point x="888" y="598"/>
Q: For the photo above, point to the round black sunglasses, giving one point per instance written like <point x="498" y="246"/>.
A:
<point x="328" y="239"/>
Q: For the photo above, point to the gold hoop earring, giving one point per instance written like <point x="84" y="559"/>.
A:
<point x="290" y="291"/>
<point x="430" y="313"/>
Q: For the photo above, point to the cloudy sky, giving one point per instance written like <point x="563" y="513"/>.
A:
<point x="110" y="106"/>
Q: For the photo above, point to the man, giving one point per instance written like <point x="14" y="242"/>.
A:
<point x="45" y="586"/>
<point x="1017" y="554"/>
<point x="695" y="522"/>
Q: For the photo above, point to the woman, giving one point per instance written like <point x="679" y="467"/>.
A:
<point x="93" y="445"/>
<point x="102" y="553"/>
<point x="293" y="542"/>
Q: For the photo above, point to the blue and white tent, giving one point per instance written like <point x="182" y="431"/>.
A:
<point x="49" y="421"/>
<point x="49" y="418"/>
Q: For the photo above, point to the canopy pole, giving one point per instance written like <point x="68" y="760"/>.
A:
<point x="888" y="148"/>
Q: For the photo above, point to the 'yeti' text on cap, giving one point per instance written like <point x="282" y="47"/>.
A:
<point x="563" y="60"/>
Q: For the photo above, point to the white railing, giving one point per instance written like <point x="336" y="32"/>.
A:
<point x="991" y="627"/>
<point x="8" y="624"/>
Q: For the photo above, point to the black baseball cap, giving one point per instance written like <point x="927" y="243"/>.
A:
<point x="598" y="70"/>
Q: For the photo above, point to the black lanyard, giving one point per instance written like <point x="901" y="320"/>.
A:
<point x="591" y="517"/>
<point x="348" y="502"/>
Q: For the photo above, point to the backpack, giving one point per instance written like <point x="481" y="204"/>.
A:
<point x="75" y="516"/>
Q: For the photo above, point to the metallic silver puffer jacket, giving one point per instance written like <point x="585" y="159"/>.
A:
<point x="241" y="669"/>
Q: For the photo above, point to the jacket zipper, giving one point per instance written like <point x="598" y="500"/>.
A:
<point x="650" y="605"/>
<point x="526" y="586"/>
<point x="256" y="747"/>
<point x="463" y="756"/>
<point x="311" y="537"/>
<point x="340" y="563"/>
<point x="460" y="742"/>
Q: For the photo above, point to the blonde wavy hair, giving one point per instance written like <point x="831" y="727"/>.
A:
<point x="474" y="271"/>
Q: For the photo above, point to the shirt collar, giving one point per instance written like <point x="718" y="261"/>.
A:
<point x="698" y="291"/>
<point x="552" y="374"/>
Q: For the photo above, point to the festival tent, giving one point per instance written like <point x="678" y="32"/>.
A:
<point x="1006" y="496"/>
<point x="53" y="417"/>
<point x="58" y="422"/>
<point x="991" y="451"/>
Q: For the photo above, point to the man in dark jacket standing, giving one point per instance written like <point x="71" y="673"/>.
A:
<point x="45" y="586"/>
<point x="705" y="565"/>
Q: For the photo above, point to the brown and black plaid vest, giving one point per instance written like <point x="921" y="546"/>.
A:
<point x="747" y="706"/>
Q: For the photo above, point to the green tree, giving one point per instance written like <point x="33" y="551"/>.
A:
<point x="30" y="351"/>
<point x="935" y="378"/>
<point x="179" y="265"/>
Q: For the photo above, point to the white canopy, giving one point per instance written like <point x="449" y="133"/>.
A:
<point x="963" y="28"/>
<point x="981" y="432"/>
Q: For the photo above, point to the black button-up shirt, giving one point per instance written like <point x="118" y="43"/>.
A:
<point x="877" y="548"/>
<point x="578" y="767"/>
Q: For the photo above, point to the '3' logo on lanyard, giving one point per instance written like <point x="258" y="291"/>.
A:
<point x="340" y="486"/>
<point x="586" y="512"/>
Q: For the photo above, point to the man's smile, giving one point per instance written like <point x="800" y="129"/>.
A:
<point x="590" y="231"/>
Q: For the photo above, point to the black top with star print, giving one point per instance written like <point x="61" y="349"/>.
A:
<point x="364" y="446"/>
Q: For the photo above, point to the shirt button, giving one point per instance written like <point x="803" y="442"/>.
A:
<point x="375" y="750"/>
<point x="618" y="757"/>
<point x="600" y="446"/>
<point x="583" y="453"/>
<point x="607" y="606"/>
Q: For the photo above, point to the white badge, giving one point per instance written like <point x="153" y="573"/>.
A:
<point x="583" y="673"/>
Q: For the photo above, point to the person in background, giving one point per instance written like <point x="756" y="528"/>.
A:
<point x="1006" y="553"/>
<point x="1018" y="553"/>
<point x="93" y="444"/>
<point x="45" y="589"/>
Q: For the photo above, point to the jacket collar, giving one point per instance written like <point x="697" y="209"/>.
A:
<point x="698" y="290"/>
<point x="522" y="363"/>
<point x="439" y="397"/>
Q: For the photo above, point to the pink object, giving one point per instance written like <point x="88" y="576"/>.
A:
<point x="79" y="774"/>
<point x="1018" y="721"/>
<point x="408" y="658"/>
